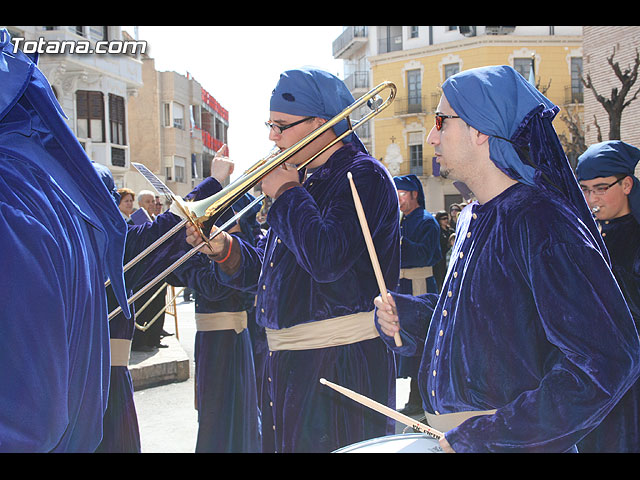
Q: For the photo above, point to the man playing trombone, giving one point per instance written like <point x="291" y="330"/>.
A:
<point x="313" y="276"/>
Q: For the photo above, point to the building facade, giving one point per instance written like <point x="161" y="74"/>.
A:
<point x="419" y="58"/>
<point x="93" y="89"/>
<point x="176" y="129"/>
<point x="600" y="43"/>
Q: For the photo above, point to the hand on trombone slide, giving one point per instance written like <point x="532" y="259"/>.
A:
<point x="219" y="243"/>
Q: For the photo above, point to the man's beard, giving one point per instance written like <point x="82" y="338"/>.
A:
<point x="445" y="173"/>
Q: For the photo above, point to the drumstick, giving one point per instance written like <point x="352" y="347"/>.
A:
<point x="383" y="409"/>
<point x="372" y="249"/>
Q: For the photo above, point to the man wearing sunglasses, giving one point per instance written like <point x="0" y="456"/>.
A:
<point x="530" y="343"/>
<point x="313" y="276"/>
<point x="605" y="172"/>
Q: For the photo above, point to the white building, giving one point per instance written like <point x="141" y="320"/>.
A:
<point x="92" y="88"/>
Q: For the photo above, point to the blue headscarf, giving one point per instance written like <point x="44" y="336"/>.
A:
<point x="472" y="95"/>
<point x="501" y="103"/>
<point x="410" y="183"/>
<point x="607" y="159"/>
<point x="309" y="91"/>
<point x="107" y="178"/>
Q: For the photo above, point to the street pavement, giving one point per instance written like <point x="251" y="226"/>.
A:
<point x="164" y="388"/>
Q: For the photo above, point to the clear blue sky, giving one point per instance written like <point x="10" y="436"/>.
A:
<point x="239" y="66"/>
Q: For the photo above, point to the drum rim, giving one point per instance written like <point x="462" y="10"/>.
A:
<point x="394" y="437"/>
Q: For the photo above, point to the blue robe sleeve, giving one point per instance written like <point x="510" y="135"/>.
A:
<point x="246" y="277"/>
<point x="415" y="314"/>
<point x="141" y="236"/>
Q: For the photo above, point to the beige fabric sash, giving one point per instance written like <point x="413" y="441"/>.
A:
<point x="418" y="277"/>
<point x="206" y="322"/>
<point x="447" y="421"/>
<point x="324" y="333"/>
<point x="120" y="351"/>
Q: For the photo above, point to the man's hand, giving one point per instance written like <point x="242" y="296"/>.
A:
<point x="387" y="316"/>
<point x="194" y="239"/>
<point x="445" y="445"/>
<point x="277" y="178"/>
<point x="222" y="166"/>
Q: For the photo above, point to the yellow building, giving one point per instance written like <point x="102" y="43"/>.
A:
<point x="399" y="133"/>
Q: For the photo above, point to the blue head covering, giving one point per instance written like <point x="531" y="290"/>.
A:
<point x="495" y="100"/>
<point x="410" y="183"/>
<point x="607" y="159"/>
<point x="501" y="103"/>
<point x="309" y="91"/>
<point x="107" y="178"/>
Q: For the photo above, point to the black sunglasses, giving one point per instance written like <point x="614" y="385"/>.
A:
<point x="281" y="128"/>
<point x="440" y="119"/>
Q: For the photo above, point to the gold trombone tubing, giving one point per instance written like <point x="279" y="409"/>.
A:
<point x="215" y="205"/>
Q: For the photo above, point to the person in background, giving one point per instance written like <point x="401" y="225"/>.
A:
<point x="419" y="252"/>
<point x="606" y="175"/>
<point x="440" y="268"/>
<point x="127" y="197"/>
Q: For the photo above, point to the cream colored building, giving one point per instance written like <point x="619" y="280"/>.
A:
<point x="176" y="128"/>
<point x="418" y="59"/>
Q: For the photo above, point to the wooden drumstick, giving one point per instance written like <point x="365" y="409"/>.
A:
<point x="383" y="409"/>
<point x="372" y="249"/>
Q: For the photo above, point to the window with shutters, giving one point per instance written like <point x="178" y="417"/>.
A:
<point x="116" y="119"/>
<point x="90" y="115"/>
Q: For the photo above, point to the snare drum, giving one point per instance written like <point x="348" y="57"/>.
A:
<point x="402" y="443"/>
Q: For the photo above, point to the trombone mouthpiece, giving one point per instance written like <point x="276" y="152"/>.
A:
<point x="595" y="209"/>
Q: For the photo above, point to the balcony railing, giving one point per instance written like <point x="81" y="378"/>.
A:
<point x="357" y="80"/>
<point x="412" y="105"/>
<point x="573" y="95"/>
<point x="347" y="37"/>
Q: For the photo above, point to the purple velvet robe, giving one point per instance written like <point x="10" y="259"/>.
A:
<point x="530" y="322"/>
<point x="120" y="424"/>
<point x="226" y="395"/>
<point x="620" y="430"/>
<point x="314" y="265"/>
<point x="420" y="247"/>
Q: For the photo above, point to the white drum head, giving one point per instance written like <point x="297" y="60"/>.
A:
<point x="403" y="443"/>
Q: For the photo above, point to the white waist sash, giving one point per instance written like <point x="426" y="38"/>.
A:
<point x="120" y="351"/>
<point x="418" y="277"/>
<point x="206" y="322"/>
<point x="447" y="421"/>
<point x="324" y="333"/>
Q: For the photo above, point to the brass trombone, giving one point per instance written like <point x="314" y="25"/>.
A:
<point x="200" y="211"/>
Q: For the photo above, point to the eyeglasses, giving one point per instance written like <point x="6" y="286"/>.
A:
<point x="600" y="189"/>
<point x="440" y="119"/>
<point x="281" y="128"/>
